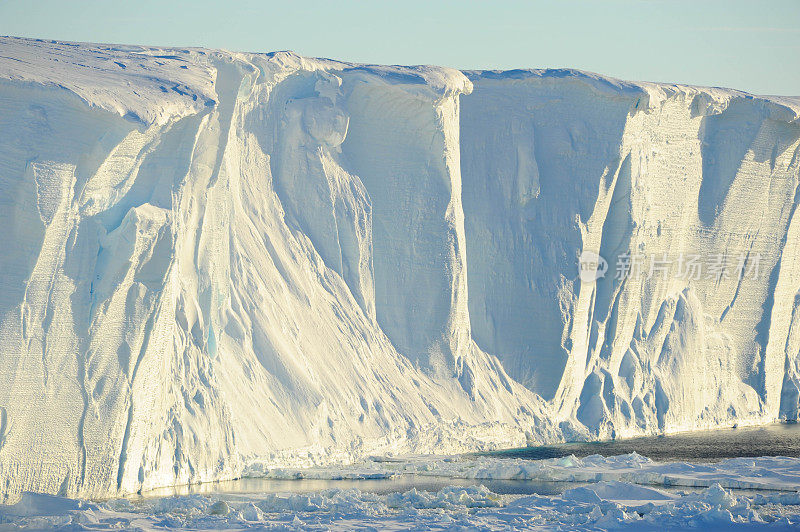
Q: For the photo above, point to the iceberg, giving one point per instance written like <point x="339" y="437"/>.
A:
<point x="213" y="259"/>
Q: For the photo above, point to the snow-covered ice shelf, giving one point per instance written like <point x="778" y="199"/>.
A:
<point x="213" y="260"/>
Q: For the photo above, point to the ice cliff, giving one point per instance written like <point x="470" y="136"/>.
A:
<point x="211" y="259"/>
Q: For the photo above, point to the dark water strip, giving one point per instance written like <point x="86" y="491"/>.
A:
<point x="701" y="446"/>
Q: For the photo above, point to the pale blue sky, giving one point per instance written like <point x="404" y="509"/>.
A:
<point x="748" y="45"/>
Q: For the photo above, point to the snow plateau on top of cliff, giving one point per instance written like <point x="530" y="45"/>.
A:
<point x="150" y="84"/>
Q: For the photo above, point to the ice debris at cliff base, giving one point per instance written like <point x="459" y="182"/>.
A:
<point x="601" y="506"/>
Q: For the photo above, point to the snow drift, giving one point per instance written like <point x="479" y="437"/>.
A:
<point x="211" y="258"/>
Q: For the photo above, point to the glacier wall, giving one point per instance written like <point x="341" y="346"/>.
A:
<point x="216" y="259"/>
<point x="559" y="161"/>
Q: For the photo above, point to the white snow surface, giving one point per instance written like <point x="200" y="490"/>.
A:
<point x="214" y="261"/>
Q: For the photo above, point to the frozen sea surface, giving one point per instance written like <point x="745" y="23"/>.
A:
<point x="605" y="505"/>
<point x="454" y="493"/>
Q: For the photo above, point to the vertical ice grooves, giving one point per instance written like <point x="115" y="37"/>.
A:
<point x="123" y="453"/>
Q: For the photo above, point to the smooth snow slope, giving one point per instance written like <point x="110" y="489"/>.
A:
<point x="214" y="258"/>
